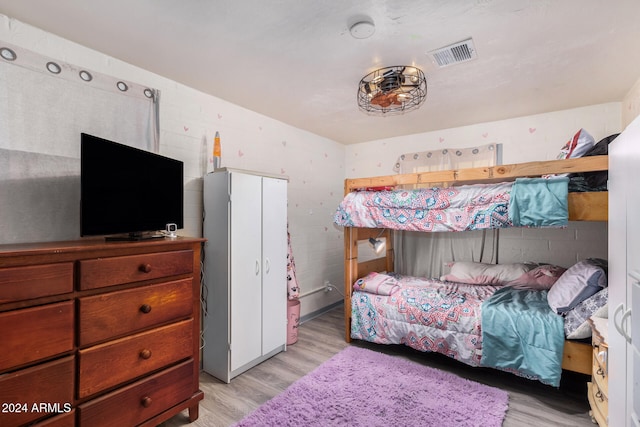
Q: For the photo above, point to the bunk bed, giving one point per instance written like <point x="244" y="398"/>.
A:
<point x="581" y="206"/>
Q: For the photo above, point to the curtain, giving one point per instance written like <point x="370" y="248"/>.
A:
<point x="449" y="158"/>
<point x="426" y="254"/>
<point x="45" y="104"/>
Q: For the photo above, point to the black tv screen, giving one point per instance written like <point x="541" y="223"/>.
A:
<point x="127" y="191"/>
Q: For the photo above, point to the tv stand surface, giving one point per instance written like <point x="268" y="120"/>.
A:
<point x="134" y="237"/>
<point x="94" y="321"/>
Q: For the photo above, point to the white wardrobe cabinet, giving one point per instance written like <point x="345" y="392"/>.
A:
<point x="245" y="270"/>
<point x="624" y="278"/>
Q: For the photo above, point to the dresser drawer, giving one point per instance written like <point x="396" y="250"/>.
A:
<point x="35" y="333"/>
<point x="118" y="313"/>
<point x="601" y="352"/>
<point x="599" y="400"/>
<point x="599" y="374"/>
<point x="22" y="392"/>
<point x="64" y="420"/>
<point x="115" y="362"/>
<point x="35" y="281"/>
<point x="141" y="400"/>
<point x="102" y="272"/>
<point x="596" y="406"/>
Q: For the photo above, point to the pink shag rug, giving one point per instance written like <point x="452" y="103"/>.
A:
<point x="360" y="387"/>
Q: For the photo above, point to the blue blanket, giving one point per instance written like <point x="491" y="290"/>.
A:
<point x="539" y="202"/>
<point x="521" y="334"/>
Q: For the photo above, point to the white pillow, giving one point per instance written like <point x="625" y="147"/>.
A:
<point x="576" y="325"/>
<point x="577" y="146"/>
<point x="477" y="273"/>
<point x="578" y="283"/>
<point x="528" y="276"/>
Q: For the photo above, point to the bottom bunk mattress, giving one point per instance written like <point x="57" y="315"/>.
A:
<point x="525" y="336"/>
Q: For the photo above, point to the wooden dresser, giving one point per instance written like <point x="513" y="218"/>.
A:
<point x="598" y="388"/>
<point x="99" y="334"/>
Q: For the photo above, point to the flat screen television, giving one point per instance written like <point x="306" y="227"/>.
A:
<point x="127" y="193"/>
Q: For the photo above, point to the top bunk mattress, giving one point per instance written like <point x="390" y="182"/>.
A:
<point x="525" y="202"/>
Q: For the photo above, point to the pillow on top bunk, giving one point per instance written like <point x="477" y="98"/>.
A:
<point x="519" y="275"/>
<point x="577" y="146"/>
<point x="578" y="283"/>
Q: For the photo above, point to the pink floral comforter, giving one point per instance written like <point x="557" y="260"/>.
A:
<point x="466" y="207"/>
<point x="425" y="314"/>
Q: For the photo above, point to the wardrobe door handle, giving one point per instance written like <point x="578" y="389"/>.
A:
<point x="620" y="326"/>
<point x="623" y="325"/>
<point x="257" y="267"/>
<point x="619" y="308"/>
<point x="267" y="265"/>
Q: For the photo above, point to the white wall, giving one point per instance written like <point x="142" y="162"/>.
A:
<point x="530" y="138"/>
<point x="317" y="166"/>
<point x="524" y="139"/>
<point x="188" y="121"/>
<point x="631" y="105"/>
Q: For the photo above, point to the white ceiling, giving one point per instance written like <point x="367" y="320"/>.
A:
<point x="295" y="60"/>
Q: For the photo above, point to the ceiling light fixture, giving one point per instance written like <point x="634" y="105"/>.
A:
<point x="392" y="90"/>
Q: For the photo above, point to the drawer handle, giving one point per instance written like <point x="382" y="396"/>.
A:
<point x="145" y="354"/>
<point x="145" y="268"/>
<point x="145" y="308"/>
<point x="146" y="401"/>
<point x="599" y="396"/>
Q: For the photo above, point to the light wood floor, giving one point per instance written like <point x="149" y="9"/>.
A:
<point x="530" y="403"/>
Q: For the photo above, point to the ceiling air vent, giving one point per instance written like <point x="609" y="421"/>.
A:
<point x="454" y="54"/>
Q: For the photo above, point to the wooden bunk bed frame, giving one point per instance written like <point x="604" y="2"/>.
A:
<point x="586" y="206"/>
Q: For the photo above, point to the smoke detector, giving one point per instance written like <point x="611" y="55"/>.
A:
<point x="454" y="54"/>
<point x="362" y="29"/>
